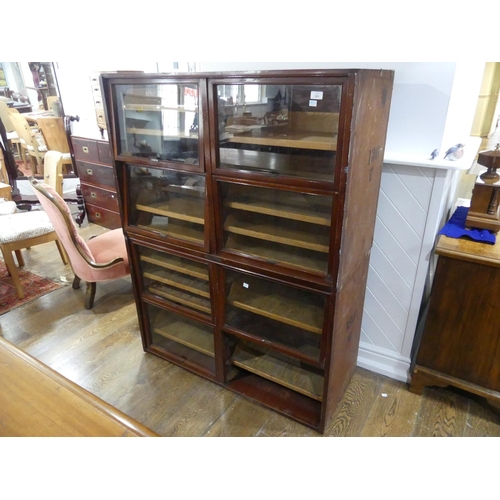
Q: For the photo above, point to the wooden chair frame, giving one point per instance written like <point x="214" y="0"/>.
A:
<point x="91" y="286"/>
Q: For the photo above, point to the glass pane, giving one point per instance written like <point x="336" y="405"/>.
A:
<point x="283" y="129"/>
<point x="187" y="339"/>
<point x="169" y="203"/>
<point x="276" y="312"/>
<point x="279" y="226"/>
<point x="158" y="121"/>
<point x="175" y="279"/>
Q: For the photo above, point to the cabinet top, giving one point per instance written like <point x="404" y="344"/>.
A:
<point x="472" y="251"/>
<point x="252" y="74"/>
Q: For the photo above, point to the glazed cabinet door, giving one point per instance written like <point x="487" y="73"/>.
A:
<point x="277" y="126"/>
<point x="159" y="121"/>
<point x="166" y="204"/>
<point x="278" y="227"/>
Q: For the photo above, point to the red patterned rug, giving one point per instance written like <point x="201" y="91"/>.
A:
<point x="34" y="286"/>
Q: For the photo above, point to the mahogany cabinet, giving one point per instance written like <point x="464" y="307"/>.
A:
<point x="98" y="188"/>
<point x="460" y="343"/>
<point x="248" y="204"/>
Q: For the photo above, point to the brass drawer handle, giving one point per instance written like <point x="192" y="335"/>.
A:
<point x="98" y="215"/>
<point x="85" y="149"/>
<point x="93" y="195"/>
<point x="89" y="171"/>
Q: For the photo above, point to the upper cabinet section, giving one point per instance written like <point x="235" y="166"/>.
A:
<point x="160" y="123"/>
<point x="275" y="127"/>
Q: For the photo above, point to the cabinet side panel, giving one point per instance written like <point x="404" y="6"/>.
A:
<point x="344" y="348"/>
<point x="372" y="100"/>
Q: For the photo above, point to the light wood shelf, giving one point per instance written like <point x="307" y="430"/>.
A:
<point x="278" y="233"/>
<point x="286" y="374"/>
<point x="291" y="256"/>
<point x="158" y="107"/>
<point x="176" y="280"/>
<point x="183" y="298"/>
<point x="187" y="209"/>
<point x="185" y="266"/>
<point x="160" y="133"/>
<point x="188" y="335"/>
<point x="322" y="142"/>
<point x="170" y="228"/>
<point x="305" y="166"/>
<point x="287" y="305"/>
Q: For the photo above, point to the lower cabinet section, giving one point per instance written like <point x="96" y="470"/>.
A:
<point x="186" y="341"/>
<point x="267" y="337"/>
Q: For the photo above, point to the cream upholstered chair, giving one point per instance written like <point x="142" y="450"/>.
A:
<point x="20" y="230"/>
<point x="102" y="258"/>
<point x="31" y="142"/>
<point x="12" y="135"/>
<point x="55" y="138"/>
<point x="52" y="171"/>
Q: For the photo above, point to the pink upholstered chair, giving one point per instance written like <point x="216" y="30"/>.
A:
<point x="102" y="258"/>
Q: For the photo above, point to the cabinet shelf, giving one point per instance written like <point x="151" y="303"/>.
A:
<point x="175" y="229"/>
<point x="321" y="142"/>
<point x="160" y="133"/>
<point x="278" y="232"/>
<point x="158" y="107"/>
<point x="183" y="209"/>
<point x="267" y="299"/>
<point x="182" y="298"/>
<point x="182" y="282"/>
<point x="279" y="254"/>
<point x="188" y="335"/>
<point x="307" y="166"/>
<point x="284" y="373"/>
<point x="174" y="263"/>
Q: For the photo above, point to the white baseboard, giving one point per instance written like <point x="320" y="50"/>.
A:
<point x="384" y="362"/>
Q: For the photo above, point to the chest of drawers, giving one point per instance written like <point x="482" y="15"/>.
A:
<point x="98" y="188"/>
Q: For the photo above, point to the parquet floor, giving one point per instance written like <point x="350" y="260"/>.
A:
<point x="101" y="350"/>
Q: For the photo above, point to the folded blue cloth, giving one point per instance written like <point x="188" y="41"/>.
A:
<point x="455" y="228"/>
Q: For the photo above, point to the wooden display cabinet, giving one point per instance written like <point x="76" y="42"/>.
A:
<point x="248" y="204"/>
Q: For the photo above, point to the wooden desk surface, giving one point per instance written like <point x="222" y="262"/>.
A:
<point x="471" y="251"/>
<point x="36" y="401"/>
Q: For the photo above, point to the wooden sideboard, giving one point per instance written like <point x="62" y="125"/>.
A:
<point x="460" y="344"/>
<point x="95" y="171"/>
<point x="36" y="401"/>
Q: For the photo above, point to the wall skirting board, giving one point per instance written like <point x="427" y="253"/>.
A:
<point x="414" y="203"/>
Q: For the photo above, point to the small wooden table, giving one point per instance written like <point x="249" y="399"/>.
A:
<point x="36" y="401"/>
<point x="460" y="344"/>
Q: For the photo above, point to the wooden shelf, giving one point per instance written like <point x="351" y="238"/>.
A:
<point x="182" y="298"/>
<point x="286" y="374"/>
<point x="187" y="209"/>
<point x="188" y="335"/>
<point x="159" y="133"/>
<point x="287" y="305"/>
<point x="185" y="266"/>
<point x="275" y="253"/>
<point x="158" y="107"/>
<point x="312" y="166"/>
<point x="300" y="343"/>
<point x="322" y="142"/>
<point x="176" y="280"/>
<point x="175" y="230"/>
<point x="263" y="229"/>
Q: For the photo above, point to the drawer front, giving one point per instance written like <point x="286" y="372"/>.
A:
<point x="104" y="148"/>
<point x="100" y="197"/>
<point x="103" y="217"/>
<point x="85" y="149"/>
<point x="100" y="175"/>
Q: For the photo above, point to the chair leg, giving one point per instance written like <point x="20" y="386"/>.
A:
<point x="62" y="252"/>
<point x="20" y="258"/>
<point x="76" y="283"/>
<point x="11" y="267"/>
<point x="89" y="295"/>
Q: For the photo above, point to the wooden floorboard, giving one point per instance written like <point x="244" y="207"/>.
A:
<point x="101" y="350"/>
